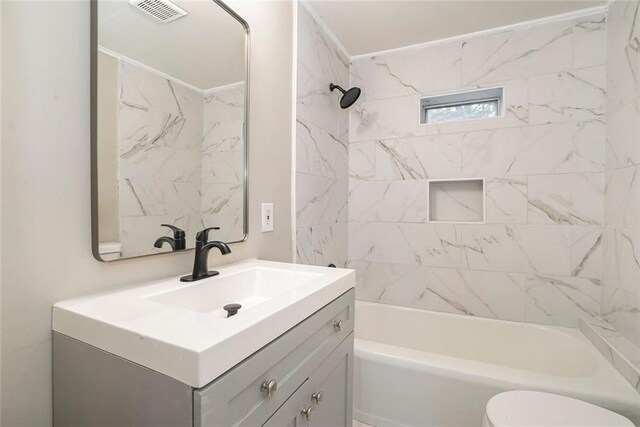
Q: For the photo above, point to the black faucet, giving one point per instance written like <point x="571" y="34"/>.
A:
<point x="200" y="269"/>
<point x="178" y="242"/>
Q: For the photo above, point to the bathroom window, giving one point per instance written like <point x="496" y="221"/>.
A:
<point x="479" y="104"/>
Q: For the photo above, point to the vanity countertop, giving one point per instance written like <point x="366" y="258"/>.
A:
<point x="180" y="329"/>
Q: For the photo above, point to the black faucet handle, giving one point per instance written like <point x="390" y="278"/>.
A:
<point x="179" y="236"/>
<point x="203" y="235"/>
<point x="178" y="233"/>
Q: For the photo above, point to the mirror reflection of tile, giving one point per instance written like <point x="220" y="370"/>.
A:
<point x="181" y="158"/>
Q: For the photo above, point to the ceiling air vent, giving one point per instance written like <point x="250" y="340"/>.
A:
<point x="161" y="10"/>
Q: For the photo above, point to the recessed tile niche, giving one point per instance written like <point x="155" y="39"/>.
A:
<point x="458" y="200"/>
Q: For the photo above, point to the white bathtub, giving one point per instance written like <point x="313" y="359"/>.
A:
<point x="421" y="368"/>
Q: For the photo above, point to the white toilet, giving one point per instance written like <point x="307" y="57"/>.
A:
<point x="534" y="408"/>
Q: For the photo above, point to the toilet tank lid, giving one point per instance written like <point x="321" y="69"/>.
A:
<point x="534" y="408"/>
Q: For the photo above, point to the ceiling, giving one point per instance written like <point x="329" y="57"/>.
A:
<point x="204" y="48"/>
<point x="367" y="26"/>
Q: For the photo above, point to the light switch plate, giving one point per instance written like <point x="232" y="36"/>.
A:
<point x="267" y="217"/>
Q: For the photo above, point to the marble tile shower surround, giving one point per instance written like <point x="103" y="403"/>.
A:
<point x="321" y="147"/>
<point x="621" y="237"/>
<point x="168" y="169"/>
<point x="561" y="242"/>
<point x="538" y="258"/>
<point x="617" y="349"/>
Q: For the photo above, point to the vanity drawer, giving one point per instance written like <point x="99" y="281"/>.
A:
<point x="237" y="399"/>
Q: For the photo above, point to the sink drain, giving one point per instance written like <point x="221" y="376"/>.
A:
<point x="232" y="309"/>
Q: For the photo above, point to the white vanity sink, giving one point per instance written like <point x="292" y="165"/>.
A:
<point x="251" y="287"/>
<point x="181" y="330"/>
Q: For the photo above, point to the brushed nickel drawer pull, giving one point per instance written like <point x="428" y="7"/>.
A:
<point x="337" y="325"/>
<point x="269" y="387"/>
<point x="317" y="397"/>
<point x="308" y="412"/>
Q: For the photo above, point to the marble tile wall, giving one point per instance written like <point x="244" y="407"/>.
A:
<point x="222" y="168"/>
<point x="181" y="159"/>
<point x="538" y="257"/>
<point x="615" y="347"/>
<point x="160" y="132"/>
<point x="321" y="147"/>
<point x="621" y="238"/>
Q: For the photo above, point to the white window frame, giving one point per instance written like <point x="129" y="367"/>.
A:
<point x="479" y="96"/>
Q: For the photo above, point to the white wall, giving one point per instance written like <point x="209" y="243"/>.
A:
<point x="538" y="257"/>
<point x="46" y="248"/>
<point x="1" y="43"/>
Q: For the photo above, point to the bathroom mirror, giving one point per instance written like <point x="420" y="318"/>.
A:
<point x="169" y="125"/>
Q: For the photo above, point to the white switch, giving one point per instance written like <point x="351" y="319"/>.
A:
<point x="267" y="217"/>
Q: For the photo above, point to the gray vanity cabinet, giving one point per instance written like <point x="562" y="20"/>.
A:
<point x="240" y="397"/>
<point x="324" y="400"/>
<point x="302" y="378"/>
<point x="330" y="388"/>
<point x="290" y="413"/>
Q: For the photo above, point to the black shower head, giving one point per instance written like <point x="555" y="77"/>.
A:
<point x="348" y="96"/>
